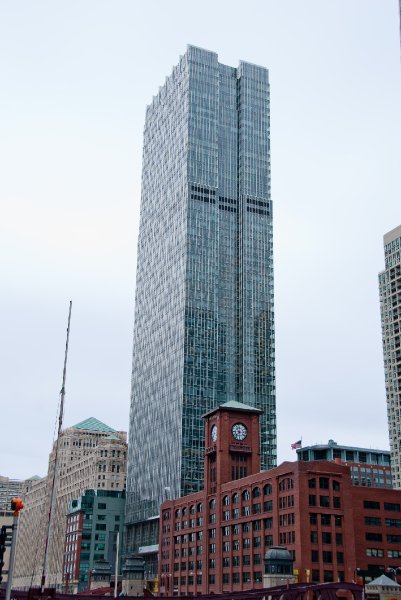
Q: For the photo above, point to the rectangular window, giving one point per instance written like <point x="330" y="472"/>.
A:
<point x="325" y="501"/>
<point x="327" y="556"/>
<point x="371" y="504"/>
<point x="392" y="522"/>
<point x="374" y="521"/>
<point x="393" y="539"/>
<point x="325" y="519"/>
<point x="312" y="500"/>
<point x="376" y="552"/>
<point x="326" y="537"/>
<point x="313" y="537"/>
<point x="392" y="506"/>
<point x="373" y="537"/>
<point x="315" y="556"/>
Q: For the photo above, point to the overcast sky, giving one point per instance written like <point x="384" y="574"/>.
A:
<point x="75" y="81"/>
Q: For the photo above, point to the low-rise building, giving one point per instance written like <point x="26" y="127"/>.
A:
<point x="94" y="521"/>
<point x="368" y="467"/>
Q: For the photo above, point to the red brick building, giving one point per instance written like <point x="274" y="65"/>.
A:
<point x="215" y="540"/>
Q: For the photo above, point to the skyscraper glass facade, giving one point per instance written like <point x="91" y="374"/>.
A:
<point x="390" y="307"/>
<point x="204" y="315"/>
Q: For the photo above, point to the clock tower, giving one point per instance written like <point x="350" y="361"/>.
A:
<point x="232" y="444"/>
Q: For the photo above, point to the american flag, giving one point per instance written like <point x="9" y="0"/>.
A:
<point x="296" y="445"/>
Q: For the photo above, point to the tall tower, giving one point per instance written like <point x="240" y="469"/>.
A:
<point x="204" y="317"/>
<point x="232" y="444"/>
<point x="390" y="308"/>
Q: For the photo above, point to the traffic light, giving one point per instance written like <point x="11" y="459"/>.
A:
<point x="3" y="539"/>
<point x="16" y="505"/>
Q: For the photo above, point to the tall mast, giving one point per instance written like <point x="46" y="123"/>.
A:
<point x="54" y="479"/>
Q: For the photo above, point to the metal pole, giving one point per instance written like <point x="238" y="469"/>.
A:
<point x="12" y="557"/>
<point x="55" y="472"/>
<point x="116" y="566"/>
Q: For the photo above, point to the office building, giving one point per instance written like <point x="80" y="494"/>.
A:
<point x="368" y="467"/>
<point x="390" y="308"/>
<point x="93" y="522"/>
<point x="204" y="317"/>
<point x="215" y="540"/>
<point x="9" y="488"/>
<point x="91" y="455"/>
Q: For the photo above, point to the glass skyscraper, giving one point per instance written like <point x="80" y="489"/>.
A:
<point x="390" y="309"/>
<point x="204" y="315"/>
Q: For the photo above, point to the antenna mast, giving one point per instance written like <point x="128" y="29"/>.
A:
<point x="54" y="480"/>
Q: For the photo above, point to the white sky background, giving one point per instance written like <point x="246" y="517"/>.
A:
<point x="75" y="80"/>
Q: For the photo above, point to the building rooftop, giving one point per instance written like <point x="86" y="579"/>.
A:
<point x="234" y="405"/>
<point x="333" y="444"/>
<point x="93" y="424"/>
<point x="383" y="581"/>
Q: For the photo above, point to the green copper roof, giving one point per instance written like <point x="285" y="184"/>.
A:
<point x="112" y="437"/>
<point x="234" y="405"/>
<point x="238" y="406"/>
<point x="93" y="424"/>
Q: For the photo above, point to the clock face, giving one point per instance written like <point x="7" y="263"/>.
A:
<point x="239" y="431"/>
<point x="213" y="433"/>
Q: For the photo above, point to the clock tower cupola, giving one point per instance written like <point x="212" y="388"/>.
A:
<point x="232" y="444"/>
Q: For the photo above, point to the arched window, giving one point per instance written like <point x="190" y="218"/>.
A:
<point x="256" y="492"/>
<point x="200" y="507"/>
<point x="192" y="509"/>
<point x="226" y="500"/>
<point x="245" y="495"/>
<point x="184" y="511"/>
<point x="267" y="490"/>
<point x="212" y="504"/>
<point x="177" y="513"/>
<point x="235" y="498"/>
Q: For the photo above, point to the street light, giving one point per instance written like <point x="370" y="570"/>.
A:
<point x="393" y="570"/>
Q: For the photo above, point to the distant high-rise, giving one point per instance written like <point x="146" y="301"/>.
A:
<point x="204" y="317"/>
<point x="390" y="307"/>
